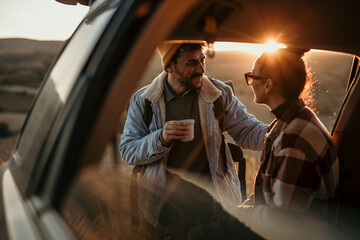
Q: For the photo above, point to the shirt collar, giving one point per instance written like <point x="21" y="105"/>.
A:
<point x="169" y="93"/>
<point x="279" y="110"/>
<point x="287" y="115"/>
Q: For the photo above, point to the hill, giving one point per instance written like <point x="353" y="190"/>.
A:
<point x="25" y="61"/>
<point x="23" y="64"/>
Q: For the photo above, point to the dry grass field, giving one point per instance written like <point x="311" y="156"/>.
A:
<point x="6" y="147"/>
<point x="23" y="101"/>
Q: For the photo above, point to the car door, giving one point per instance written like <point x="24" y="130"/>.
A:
<point x="76" y="112"/>
<point x="27" y="172"/>
<point x="346" y="134"/>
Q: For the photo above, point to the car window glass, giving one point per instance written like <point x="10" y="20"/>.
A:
<point x="329" y="73"/>
<point x="75" y="55"/>
<point x="100" y="203"/>
<point x="57" y="88"/>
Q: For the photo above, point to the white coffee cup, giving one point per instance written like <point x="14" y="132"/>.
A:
<point x="190" y="136"/>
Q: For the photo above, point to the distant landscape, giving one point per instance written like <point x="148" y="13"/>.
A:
<point x="24" y="63"/>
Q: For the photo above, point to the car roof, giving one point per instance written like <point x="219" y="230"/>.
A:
<point x="328" y="25"/>
<point x="321" y="24"/>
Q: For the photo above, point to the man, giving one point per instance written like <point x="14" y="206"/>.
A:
<point x="182" y="91"/>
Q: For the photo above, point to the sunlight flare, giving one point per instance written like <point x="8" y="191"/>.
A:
<point x="271" y="45"/>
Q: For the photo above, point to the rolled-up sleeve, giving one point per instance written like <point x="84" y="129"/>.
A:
<point x="246" y="130"/>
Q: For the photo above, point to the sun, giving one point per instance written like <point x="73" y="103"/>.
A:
<point x="270" y="45"/>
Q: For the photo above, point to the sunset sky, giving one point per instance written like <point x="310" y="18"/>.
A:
<point x="51" y="20"/>
<point x="256" y="48"/>
<point x="39" y="19"/>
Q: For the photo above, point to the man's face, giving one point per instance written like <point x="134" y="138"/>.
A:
<point x="189" y="69"/>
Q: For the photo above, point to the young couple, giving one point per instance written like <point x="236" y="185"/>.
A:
<point x="298" y="172"/>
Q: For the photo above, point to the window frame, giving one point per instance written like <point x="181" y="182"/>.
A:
<point x="63" y="157"/>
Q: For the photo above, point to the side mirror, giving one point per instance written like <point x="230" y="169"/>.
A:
<point x="75" y="2"/>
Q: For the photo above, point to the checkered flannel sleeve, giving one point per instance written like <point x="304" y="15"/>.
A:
<point x="303" y="167"/>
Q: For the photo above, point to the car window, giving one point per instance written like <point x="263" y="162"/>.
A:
<point x="329" y="73"/>
<point x="56" y="90"/>
<point x="100" y="202"/>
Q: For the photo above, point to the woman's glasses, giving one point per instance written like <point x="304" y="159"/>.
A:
<point x="249" y="77"/>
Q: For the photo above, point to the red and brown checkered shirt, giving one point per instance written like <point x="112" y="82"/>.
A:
<point x="299" y="163"/>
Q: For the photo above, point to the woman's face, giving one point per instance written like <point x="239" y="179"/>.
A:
<point x="258" y="86"/>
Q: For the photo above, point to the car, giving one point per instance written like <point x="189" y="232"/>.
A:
<point x="65" y="178"/>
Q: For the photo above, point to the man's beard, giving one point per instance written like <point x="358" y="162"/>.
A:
<point x="188" y="82"/>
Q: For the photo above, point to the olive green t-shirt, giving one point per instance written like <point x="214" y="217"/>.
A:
<point x="186" y="155"/>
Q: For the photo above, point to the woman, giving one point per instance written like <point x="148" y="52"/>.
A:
<point x="298" y="171"/>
